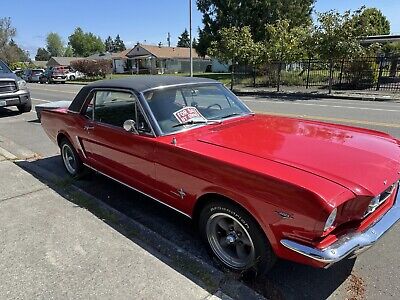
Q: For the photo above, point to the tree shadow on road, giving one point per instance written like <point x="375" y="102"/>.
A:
<point x="97" y="194"/>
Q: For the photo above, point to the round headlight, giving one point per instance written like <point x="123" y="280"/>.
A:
<point x="331" y="219"/>
<point x="21" y="84"/>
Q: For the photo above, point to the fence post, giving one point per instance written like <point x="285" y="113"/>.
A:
<point x="279" y="76"/>
<point x="308" y="73"/>
<point x="378" y="84"/>
<point x="254" y="76"/>
<point x="330" y="75"/>
<point x="232" y="75"/>
<point x="341" y="73"/>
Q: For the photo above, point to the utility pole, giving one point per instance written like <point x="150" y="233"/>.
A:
<point x="190" y="36"/>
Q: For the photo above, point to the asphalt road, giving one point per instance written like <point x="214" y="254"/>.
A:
<point x="373" y="275"/>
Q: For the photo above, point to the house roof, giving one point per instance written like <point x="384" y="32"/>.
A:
<point x="121" y="54"/>
<point x="63" y="61"/>
<point x="109" y="55"/>
<point x="387" y="38"/>
<point x="166" y="52"/>
<point x="98" y="56"/>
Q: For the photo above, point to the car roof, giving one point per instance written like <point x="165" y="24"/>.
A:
<point x="138" y="83"/>
<point x="142" y="83"/>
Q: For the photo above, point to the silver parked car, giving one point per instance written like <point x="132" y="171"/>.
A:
<point x="13" y="90"/>
<point x="34" y="75"/>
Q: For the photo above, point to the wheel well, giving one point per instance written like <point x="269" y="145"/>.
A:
<point x="203" y="201"/>
<point x="212" y="197"/>
<point x="60" y="137"/>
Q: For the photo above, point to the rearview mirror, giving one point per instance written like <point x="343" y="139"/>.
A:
<point x="129" y="125"/>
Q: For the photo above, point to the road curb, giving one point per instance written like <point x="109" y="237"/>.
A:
<point x="311" y="95"/>
<point x="13" y="151"/>
<point x="7" y="155"/>
<point x="226" y="285"/>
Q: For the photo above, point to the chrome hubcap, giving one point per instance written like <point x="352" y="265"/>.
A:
<point x="230" y="241"/>
<point x="69" y="159"/>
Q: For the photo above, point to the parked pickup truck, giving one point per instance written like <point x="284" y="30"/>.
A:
<point x="13" y="90"/>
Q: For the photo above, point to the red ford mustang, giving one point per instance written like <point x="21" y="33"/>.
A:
<point x="258" y="187"/>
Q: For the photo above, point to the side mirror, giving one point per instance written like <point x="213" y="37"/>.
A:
<point x="129" y="125"/>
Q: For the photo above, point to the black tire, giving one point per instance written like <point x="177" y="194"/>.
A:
<point x="72" y="77"/>
<point x="74" y="167"/>
<point x="262" y="258"/>
<point x="24" y="108"/>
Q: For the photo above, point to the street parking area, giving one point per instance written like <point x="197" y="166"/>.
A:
<point x="374" y="275"/>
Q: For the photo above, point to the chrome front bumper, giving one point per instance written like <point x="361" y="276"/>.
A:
<point x="352" y="244"/>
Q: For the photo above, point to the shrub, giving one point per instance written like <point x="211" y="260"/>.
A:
<point x="93" y="68"/>
<point x="361" y="73"/>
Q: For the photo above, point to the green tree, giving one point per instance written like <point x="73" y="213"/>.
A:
<point x="68" y="51"/>
<point x="284" y="43"/>
<point x="335" y="36"/>
<point x="391" y="49"/>
<point x="119" y="44"/>
<point x="54" y="44"/>
<point x="203" y="42"/>
<point x="85" y="44"/>
<point x="370" y="21"/>
<point x="184" y="39"/>
<point x="256" y="14"/>
<point x="42" y="55"/>
<point x="236" y="45"/>
<point x="19" y="54"/>
<point x="194" y="43"/>
<point x="7" y="32"/>
<point x="109" y="44"/>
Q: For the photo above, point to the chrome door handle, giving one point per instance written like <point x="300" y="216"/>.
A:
<point x="88" y="127"/>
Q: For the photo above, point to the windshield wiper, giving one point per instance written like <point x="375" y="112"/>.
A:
<point x="192" y="122"/>
<point x="232" y="115"/>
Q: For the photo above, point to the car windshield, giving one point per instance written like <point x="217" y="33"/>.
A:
<point x="189" y="106"/>
<point x="3" y="68"/>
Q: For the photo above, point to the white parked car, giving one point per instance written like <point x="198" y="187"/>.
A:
<point x="72" y="75"/>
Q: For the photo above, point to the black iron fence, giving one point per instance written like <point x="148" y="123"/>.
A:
<point x="366" y="73"/>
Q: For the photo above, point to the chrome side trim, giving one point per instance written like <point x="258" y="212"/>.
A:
<point x="179" y="85"/>
<point x="352" y="244"/>
<point x="139" y="191"/>
<point x="80" y="146"/>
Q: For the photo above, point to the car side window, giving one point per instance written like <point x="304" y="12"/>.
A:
<point x="115" y="107"/>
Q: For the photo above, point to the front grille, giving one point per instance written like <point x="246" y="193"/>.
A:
<point x="380" y="199"/>
<point x="7" y="86"/>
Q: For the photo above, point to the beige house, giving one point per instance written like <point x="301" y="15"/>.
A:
<point x="120" y="62"/>
<point x="159" y="59"/>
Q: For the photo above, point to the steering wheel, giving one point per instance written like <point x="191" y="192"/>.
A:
<point x="215" y="104"/>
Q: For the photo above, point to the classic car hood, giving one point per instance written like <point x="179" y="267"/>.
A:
<point x="362" y="160"/>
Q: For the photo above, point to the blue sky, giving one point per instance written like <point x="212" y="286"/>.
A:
<point x="135" y="21"/>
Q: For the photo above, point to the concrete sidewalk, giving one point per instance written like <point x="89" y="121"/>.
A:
<point x="52" y="248"/>
<point x="299" y="92"/>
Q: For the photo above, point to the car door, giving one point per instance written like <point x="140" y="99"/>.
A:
<point x="124" y="156"/>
